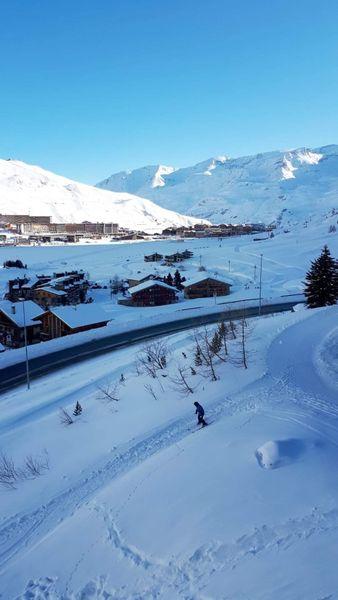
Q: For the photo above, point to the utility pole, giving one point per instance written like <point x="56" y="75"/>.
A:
<point x="260" y="285"/>
<point x="26" y="349"/>
<point x="229" y="265"/>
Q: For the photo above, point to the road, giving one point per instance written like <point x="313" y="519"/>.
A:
<point x="14" y="375"/>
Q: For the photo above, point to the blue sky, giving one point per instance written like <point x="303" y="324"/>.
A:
<point x="91" y="87"/>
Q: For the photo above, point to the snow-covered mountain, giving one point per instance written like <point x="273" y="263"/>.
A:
<point x="293" y="186"/>
<point x="28" y="189"/>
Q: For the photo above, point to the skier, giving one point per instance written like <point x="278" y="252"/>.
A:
<point x="200" y="414"/>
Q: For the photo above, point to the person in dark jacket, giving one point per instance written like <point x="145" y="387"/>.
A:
<point x="200" y="414"/>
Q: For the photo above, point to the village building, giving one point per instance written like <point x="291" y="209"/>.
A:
<point x="152" y="293"/>
<point x="153" y="257"/>
<point x="65" y="320"/>
<point x="151" y="277"/>
<point x="14" y="317"/>
<point x="49" y="296"/>
<point x="170" y="259"/>
<point x="205" y="286"/>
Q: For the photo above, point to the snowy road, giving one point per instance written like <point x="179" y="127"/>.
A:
<point x="12" y="375"/>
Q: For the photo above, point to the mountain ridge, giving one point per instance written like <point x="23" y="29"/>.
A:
<point x="30" y="189"/>
<point x="268" y="186"/>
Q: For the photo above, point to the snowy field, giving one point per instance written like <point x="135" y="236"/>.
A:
<point x="286" y="258"/>
<point x="138" y="503"/>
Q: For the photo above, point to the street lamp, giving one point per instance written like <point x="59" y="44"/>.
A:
<point x="260" y="285"/>
<point x="26" y="349"/>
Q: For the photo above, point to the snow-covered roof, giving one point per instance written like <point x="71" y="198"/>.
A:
<point x="32" y="310"/>
<point x="52" y="290"/>
<point x="200" y="278"/>
<point x="33" y="280"/>
<point x="80" y="315"/>
<point x="147" y="284"/>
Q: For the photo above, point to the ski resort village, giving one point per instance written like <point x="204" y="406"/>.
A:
<point x="169" y="408"/>
<point x="169" y="300"/>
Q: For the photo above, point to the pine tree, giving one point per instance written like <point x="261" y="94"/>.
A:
<point x="198" y="358"/>
<point x="216" y="343"/>
<point x="77" y="410"/>
<point x="169" y="279"/>
<point x="178" y="279"/>
<point x="321" y="285"/>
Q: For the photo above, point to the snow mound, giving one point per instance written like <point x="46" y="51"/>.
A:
<point x="326" y="359"/>
<point x="278" y="453"/>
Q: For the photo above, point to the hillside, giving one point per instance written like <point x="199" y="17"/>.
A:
<point x="291" y="186"/>
<point x="28" y="189"/>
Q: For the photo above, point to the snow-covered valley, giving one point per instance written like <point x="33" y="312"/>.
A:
<point x="136" y="502"/>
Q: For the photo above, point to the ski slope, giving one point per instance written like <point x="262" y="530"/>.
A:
<point x="138" y="503"/>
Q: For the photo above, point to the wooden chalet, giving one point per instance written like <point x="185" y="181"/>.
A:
<point x="205" y="286"/>
<point x="152" y="293"/>
<point x="48" y="296"/>
<point x="13" y="319"/>
<point x="153" y="257"/>
<point x="64" y="320"/>
<point x="151" y="277"/>
<point x="173" y="258"/>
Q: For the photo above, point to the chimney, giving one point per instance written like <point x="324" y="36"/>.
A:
<point x="13" y="309"/>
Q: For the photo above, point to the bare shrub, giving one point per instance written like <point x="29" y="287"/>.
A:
<point x="9" y="475"/>
<point x="65" y="417"/>
<point x="203" y="349"/>
<point x="151" y="390"/>
<point x="152" y="358"/>
<point x="241" y="357"/>
<point x="180" y="381"/>
<point x="109" y="392"/>
<point x="36" y="465"/>
<point x="33" y="467"/>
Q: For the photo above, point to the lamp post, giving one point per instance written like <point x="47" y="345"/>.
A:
<point x="260" y="285"/>
<point x="26" y="349"/>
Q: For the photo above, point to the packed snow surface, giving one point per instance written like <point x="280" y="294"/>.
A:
<point x="290" y="187"/>
<point x="139" y="503"/>
<point x="28" y="189"/>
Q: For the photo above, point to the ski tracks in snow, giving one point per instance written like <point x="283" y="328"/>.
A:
<point x="23" y="530"/>
<point x="187" y="578"/>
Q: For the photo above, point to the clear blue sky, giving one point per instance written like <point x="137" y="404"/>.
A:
<point x="90" y="87"/>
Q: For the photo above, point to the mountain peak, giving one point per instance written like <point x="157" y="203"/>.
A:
<point x="264" y="186"/>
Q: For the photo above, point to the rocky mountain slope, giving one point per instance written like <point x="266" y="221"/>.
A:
<point x="290" y="187"/>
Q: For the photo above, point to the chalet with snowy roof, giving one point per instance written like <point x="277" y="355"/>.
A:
<point x="15" y="287"/>
<point x="153" y="257"/>
<point x="64" y="320"/>
<point x="169" y="259"/>
<point x="48" y="296"/>
<point x="152" y="293"/>
<point x="205" y="286"/>
<point x="14" y="316"/>
<point x="151" y="277"/>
